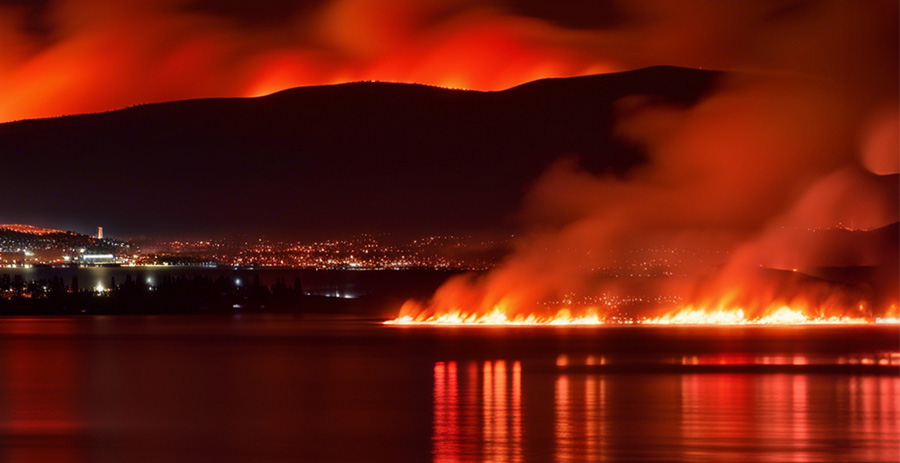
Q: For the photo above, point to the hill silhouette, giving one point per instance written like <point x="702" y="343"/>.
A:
<point x="28" y="229"/>
<point x="322" y="160"/>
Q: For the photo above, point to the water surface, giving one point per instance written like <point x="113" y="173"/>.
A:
<point x="279" y="388"/>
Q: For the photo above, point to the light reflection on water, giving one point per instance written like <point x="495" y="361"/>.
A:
<point x="497" y="404"/>
<point x="222" y="389"/>
<point x="710" y="417"/>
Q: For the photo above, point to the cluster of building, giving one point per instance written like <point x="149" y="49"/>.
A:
<point x="366" y="252"/>
<point x="26" y="245"/>
<point x="661" y="261"/>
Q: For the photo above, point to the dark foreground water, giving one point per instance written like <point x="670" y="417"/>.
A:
<point x="133" y="389"/>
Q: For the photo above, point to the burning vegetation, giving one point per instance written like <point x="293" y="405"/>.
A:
<point x="787" y="172"/>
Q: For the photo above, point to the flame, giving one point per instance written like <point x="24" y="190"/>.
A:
<point x="499" y="317"/>
<point x="688" y="315"/>
<point x="783" y="315"/>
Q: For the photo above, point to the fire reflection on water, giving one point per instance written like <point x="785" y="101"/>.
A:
<point x="783" y="415"/>
<point x="875" y="408"/>
<point x="496" y="406"/>
<point x="579" y="420"/>
<point x="49" y="411"/>
<point x="480" y="415"/>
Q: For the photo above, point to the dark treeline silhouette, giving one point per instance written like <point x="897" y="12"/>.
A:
<point x="180" y="294"/>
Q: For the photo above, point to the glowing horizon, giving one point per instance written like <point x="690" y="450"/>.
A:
<point x="157" y="52"/>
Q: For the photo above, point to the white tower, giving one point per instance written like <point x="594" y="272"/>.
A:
<point x="99" y="233"/>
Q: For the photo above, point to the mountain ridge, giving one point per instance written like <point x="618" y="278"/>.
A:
<point x="29" y="229"/>
<point x="357" y="156"/>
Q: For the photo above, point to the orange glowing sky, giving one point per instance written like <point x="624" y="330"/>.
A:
<point x="74" y="56"/>
<point x="93" y="55"/>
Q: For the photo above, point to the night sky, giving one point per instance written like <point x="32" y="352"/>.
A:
<point x="784" y="109"/>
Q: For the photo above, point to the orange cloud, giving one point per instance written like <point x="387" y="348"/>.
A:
<point x="100" y="57"/>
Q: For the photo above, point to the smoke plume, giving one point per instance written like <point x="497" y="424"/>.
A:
<point x="753" y="197"/>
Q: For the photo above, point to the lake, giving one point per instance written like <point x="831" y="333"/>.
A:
<point x="289" y="388"/>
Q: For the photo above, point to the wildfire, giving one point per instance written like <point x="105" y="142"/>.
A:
<point x="780" y="316"/>
<point x="499" y="317"/>
<point x="690" y="315"/>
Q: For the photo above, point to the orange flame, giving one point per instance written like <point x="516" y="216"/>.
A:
<point x="411" y="314"/>
<point x="499" y="317"/>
